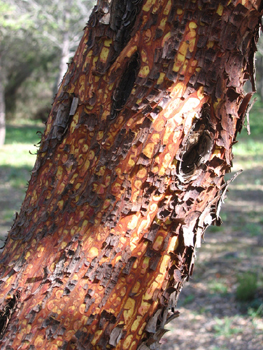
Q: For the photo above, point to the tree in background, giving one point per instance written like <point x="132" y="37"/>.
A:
<point x="14" y="26"/>
<point x="129" y="174"/>
<point x="61" y="23"/>
<point x="33" y="34"/>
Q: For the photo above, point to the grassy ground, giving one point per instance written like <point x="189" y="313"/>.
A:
<point x="15" y="165"/>
<point x="222" y="305"/>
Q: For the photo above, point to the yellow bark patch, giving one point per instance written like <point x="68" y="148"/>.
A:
<point x="116" y="188"/>
<point x="164" y="263"/>
<point x="192" y="25"/>
<point x="182" y="51"/>
<point x="153" y="286"/>
<point x="136" y="324"/>
<point x="149" y="150"/>
<point x="25" y="345"/>
<point x="93" y="252"/>
<point x="59" y="172"/>
<point x="168" y="131"/>
<point x="147" y="6"/>
<point x="153" y="208"/>
<point x="161" y="78"/>
<point x="107" y="42"/>
<point x="165" y="38"/>
<point x="144" y="307"/>
<point x="127" y="342"/>
<point x="123" y="291"/>
<point x="143" y="225"/>
<point x="142" y="172"/>
<point x="77" y="325"/>
<point x="173" y="244"/>
<point x="101" y="171"/>
<point x="155" y="169"/>
<point x="133" y="223"/>
<point x="63" y="245"/>
<point x="131" y="50"/>
<point x="144" y="56"/>
<point x="147" y="37"/>
<point x="128" y="309"/>
<point x="39" y="341"/>
<point x="178" y="90"/>
<point x="167" y="8"/>
<point x="59" y="293"/>
<point x="69" y="335"/>
<point x="54" y="347"/>
<point x="200" y="93"/>
<point x="220" y="10"/>
<point x="137" y="184"/>
<point x="192" y="44"/>
<point x="145" y="264"/>
<point x="163" y="23"/>
<point x="136" y="287"/>
<point x="50" y="305"/>
<point x="158" y="243"/>
<point x="99" y="135"/>
<point x="144" y="71"/>
<point x="159" y="124"/>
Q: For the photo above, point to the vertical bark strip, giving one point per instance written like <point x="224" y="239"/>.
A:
<point x="129" y="174"/>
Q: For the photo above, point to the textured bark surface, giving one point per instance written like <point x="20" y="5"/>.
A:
<point x="129" y="174"/>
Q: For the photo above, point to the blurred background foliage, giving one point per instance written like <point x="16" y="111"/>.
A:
<point x="37" y="40"/>
<point x="222" y="305"/>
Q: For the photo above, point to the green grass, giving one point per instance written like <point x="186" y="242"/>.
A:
<point x="22" y="134"/>
<point x="247" y="286"/>
<point x="218" y="286"/>
<point x="19" y="144"/>
<point x="187" y="300"/>
<point x="225" y="327"/>
<point x="249" y="146"/>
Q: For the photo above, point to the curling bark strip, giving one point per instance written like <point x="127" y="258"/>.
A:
<point x="129" y="174"/>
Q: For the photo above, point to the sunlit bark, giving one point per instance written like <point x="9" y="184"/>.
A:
<point x="129" y="174"/>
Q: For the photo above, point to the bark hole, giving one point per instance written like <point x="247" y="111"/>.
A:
<point x="126" y="83"/>
<point x="197" y="147"/>
<point x="7" y="311"/>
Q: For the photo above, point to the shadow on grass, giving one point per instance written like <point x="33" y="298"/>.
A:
<point x="22" y="134"/>
<point x="13" y="185"/>
<point x="14" y="177"/>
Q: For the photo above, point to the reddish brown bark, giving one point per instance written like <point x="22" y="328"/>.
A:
<point x="129" y="174"/>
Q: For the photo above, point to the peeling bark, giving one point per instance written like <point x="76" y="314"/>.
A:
<point x="129" y="174"/>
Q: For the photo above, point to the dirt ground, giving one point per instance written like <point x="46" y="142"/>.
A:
<point x="210" y="316"/>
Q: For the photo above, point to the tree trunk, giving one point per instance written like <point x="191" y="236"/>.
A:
<point x="129" y="174"/>
<point x="2" y="107"/>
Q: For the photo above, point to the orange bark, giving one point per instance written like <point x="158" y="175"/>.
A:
<point x="129" y="174"/>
